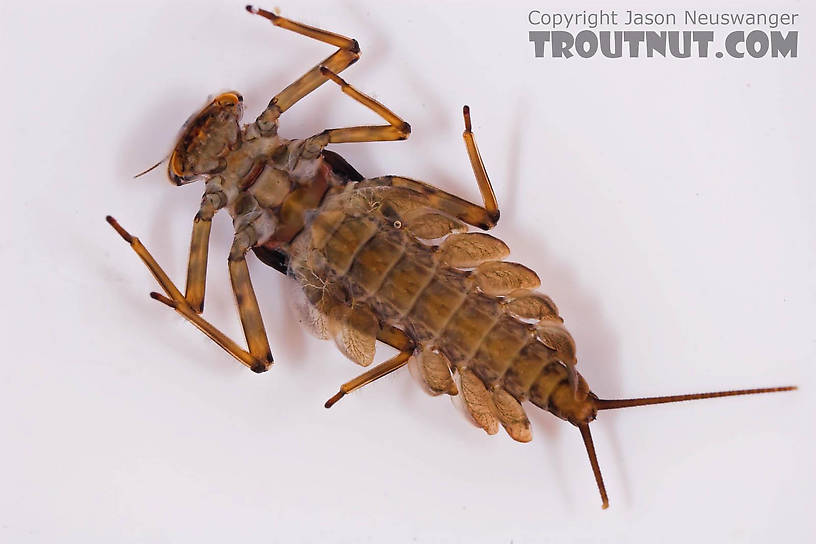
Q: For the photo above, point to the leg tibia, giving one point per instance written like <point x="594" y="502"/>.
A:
<point x="250" y="312"/>
<point x="197" y="264"/>
<point x="491" y="206"/>
<point x="175" y="300"/>
<point x="397" y="129"/>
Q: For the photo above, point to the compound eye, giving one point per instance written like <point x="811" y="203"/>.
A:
<point x="175" y="166"/>
<point x="231" y="98"/>
<point x="175" y="170"/>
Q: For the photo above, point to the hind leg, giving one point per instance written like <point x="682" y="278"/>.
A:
<point x="491" y="206"/>
<point x="484" y="217"/>
<point x="393" y="337"/>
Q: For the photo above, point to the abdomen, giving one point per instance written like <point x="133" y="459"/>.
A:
<point x="358" y="258"/>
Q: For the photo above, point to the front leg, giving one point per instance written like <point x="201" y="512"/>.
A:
<point x="213" y="200"/>
<point x="178" y="302"/>
<point x="197" y="265"/>
<point x="249" y="311"/>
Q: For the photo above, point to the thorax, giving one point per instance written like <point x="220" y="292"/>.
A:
<point x="270" y="184"/>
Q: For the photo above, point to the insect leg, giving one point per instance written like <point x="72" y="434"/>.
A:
<point x="485" y="217"/>
<point x="248" y="308"/>
<point x="396" y="129"/>
<point x="197" y="264"/>
<point x="366" y="378"/>
<point x="177" y="301"/>
<point x="348" y="52"/>
<point x="491" y="206"/>
<point x="392" y="336"/>
<point x="213" y="200"/>
<point x="454" y="206"/>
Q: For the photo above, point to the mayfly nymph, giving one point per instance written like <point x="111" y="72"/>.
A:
<point x="386" y="258"/>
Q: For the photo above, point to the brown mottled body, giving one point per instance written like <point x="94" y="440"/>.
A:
<point x="386" y="258"/>
<point x="359" y="255"/>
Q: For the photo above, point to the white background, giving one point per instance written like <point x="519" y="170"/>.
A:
<point x="666" y="204"/>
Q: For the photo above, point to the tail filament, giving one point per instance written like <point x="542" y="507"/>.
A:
<point x="611" y="404"/>
<point x="593" y="460"/>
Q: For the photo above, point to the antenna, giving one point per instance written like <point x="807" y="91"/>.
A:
<point x="149" y="169"/>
